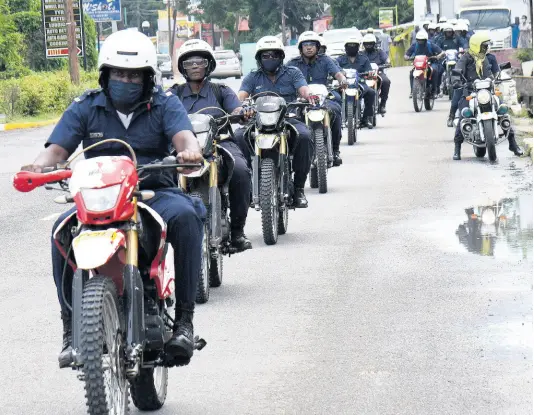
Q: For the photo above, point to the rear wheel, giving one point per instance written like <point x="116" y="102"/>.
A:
<point x="216" y="271"/>
<point x="269" y="201"/>
<point x="417" y="95"/>
<point x="479" y="151"/>
<point x="322" y="162"/>
<point x="489" y="136"/>
<point x="102" y="328"/>
<point x="149" y="388"/>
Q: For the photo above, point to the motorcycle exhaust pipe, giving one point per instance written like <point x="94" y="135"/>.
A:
<point x="466" y="127"/>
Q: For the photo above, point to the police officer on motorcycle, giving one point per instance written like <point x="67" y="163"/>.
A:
<point x="474" y="64"/>
<point x="432" y="32"/>
<point x="354" y="60"/>
<point x="316" y="70"/>
<point x="322" y="49"/>
<point x="130" y="106"/>
<point x="288" y="82"/>
<point x="379" y="57"/>
<point x="424" y="47"/>
<point x="196" y="62"/>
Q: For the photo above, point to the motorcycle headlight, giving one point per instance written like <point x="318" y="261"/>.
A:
<point x="100" y="200"/>
<point x="488" y="217"/>
<point x="483" y="96"/>
<point x="269" y="118"/>
<point x="503" y="109"/>
<point x="467" y="113"/>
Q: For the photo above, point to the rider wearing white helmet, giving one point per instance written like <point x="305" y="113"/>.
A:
<point x="323" y="47"/>
<point x="424" y="47"/>
<point x="129" y="106"/>
<point x="273" y="76"/>
<point x="379" y="57"/>
<point x="196" y="62"/>
<point x="316" y="70"/>
<point x="359" y="61"/>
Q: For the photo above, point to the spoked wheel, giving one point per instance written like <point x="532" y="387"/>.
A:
<point x="269" y="201"/>
<point x="283" y="217"/>
<point x="322" y="163"/>
<point x="203" y="289"/>
<point x="417" y="95"/>
<point x="149" y="388"/>
<point x="102" y="329"/>
<point x="351" y="124"/>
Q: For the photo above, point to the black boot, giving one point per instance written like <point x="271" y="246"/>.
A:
<point x="450" y="121"/>
<point x="299" y="199"/>
<point x="239" y="240"/>
<point x="337" y="158"/>
<point x="457" y="151"/>
<point x="382" y="108"/>
<point x="514" y="148"/>
<point x="65" y="357"/>
<point x="182" y="343"/>
<point x="369" y="122"/>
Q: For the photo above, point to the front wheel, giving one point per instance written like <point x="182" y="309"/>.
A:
<point x="351" y="125"/>
<point x="269" y="201"/>
<point x="149" y="388"/>
<point x="429" y="99"/>
<point x="417" y="95"/>
<point x="203" y="288"/>
<point x="322" y="162"/>
<point x="489" y="136"/>
<point x="479" y="151"/>
<point x="216" y="271"/>
<point x="102" y="329"/>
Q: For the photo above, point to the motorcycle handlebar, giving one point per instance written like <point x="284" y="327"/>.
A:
<point x="26" y="181"/>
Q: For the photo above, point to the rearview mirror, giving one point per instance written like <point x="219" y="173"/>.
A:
<point x="505" y="65"/>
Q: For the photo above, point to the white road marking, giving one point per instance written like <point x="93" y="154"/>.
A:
<point x="53" y="216"/>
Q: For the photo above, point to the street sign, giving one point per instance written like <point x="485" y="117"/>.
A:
<point x="55" y="28"/>
<point x="103" y="10"/>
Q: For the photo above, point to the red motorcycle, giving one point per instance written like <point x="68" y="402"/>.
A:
<point x="422" y="83"/>
<point x="123" y="282"/>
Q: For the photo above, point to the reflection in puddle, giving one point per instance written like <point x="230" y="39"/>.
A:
<point x="502" y="229"/>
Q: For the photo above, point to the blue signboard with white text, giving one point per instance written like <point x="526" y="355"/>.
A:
<point x="103" y="10"/>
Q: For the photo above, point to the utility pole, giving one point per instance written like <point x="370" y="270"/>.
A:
<point x="74" y="68"/>
<point x="169" y="25"/>
<point x="284" y="40"/>
<point x="428" y="7"/>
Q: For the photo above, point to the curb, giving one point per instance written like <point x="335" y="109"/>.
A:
<point x="23" y="125"/>
<point x="527" y="145"/>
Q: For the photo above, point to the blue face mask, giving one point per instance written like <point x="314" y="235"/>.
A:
<point x="271" y="65"/>
<point x="124" y="94"/>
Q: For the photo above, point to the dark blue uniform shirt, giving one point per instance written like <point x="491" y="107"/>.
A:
<point x="361" y="64"/>
<point x="317" y="71"/>
<point x="446" y="43"/>
<point x="377" y="56"/>
<point x="287" y="82"/>
<point x="92" y="118"/>
<point x="430" y="49"/>
<point x="206" y="98"/>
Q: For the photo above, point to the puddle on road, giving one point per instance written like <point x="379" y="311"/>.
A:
<point x="501" y="229"/>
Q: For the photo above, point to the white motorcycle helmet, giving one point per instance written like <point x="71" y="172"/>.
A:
<point x="447" y="27"/>
<point x="432" y="26"/>
<point x="196" y="47"/>
<point x="127" y="49"/>
<point x="309" y="36"/>
<point x="269" y="43"/>
<point x="443" y="20"/>
<point x="462" y="27"/>
<point x="421" y="35"/>
<point x="369" y="40"/>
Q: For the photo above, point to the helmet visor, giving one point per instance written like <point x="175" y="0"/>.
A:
<point x="195" y="62"/>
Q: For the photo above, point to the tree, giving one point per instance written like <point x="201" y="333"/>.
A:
<point x="11" y="44"/>
<point x="364" y="13"/>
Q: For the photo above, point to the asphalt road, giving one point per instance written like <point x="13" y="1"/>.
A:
<point x="371" y="304"/>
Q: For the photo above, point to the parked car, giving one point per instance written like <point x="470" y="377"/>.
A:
<point x="335" y="40"/>
<point x="165" y="65"/>
<point x="291" y="52"/>
<point x="228" y="64"/>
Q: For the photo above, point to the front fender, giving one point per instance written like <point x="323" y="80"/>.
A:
<point x="267" y="141"/>
<point x="93" y="249"/>
<point x="418" y="73"/>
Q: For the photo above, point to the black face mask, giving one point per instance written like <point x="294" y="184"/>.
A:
<point x="271" y="65"/>
<point x="421" y="43"/>
<point x="124" y="95"/>
<point x="352" y="50"/>
<point x="484" y="48"/>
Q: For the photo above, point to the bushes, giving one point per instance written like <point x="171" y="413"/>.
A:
<point x="42" y="92"/>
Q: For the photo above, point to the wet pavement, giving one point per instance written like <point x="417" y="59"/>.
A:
<point x="384" y="297"/>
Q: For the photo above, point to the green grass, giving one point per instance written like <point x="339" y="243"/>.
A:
<point x="35" y="118"/>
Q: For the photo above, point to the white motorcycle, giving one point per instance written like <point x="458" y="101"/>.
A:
<point x="485" y="114"/>
<point x="350" y="104"/>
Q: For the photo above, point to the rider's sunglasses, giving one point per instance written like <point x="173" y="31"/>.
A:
<point x="195" y="63"/>
<point x="308" y="44"/>
<point x="270" y="55"/>
<point x="352" y="45"/>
